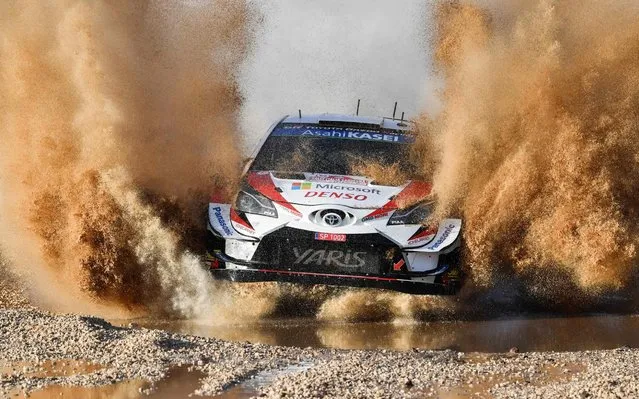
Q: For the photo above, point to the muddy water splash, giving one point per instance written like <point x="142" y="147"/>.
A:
<point x="117" y="120"/>
<point x="110" y="113"/>
<point x="537" y="149"/>
<point x="539" y="142"/>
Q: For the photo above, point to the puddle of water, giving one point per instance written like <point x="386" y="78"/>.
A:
<point x="526" y="334"/>
<point x="179" y="383"/>
<point x="477" y="390"/>
<point x="251" y="386"/>
<point x="122" y="390"/>
<point x="559" y="372"/>
<point x="50" y="368"/>
<point x="549" y="374"/>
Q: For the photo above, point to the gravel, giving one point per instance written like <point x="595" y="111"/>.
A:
<point x="95" y="353"/>
<point x="379" y="374"/>
<point x="36" y="337"/>
<point x="12" y="294"/>
<point x="40" y="349"/>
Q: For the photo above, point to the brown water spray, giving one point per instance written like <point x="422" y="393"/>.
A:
<point x="539" y="142"/>
<point x="117" y="120"/>
<point x="537" y="150"/>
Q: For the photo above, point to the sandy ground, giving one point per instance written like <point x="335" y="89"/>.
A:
<point x="12" y="294"/>
<point x="40" y="349"/>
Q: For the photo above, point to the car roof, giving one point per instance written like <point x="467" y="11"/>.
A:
<point x="364" y="121"/>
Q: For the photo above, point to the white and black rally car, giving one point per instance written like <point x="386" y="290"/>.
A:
<point x="301" y="214"/>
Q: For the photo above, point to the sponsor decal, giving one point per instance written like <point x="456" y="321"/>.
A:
<point x="244" y="228"/>
<point x="330" y="237"/>
<point x="324" y="257"/>
<point x="328" y="194"/>
<point x="301" y="186"/>
<point x="444" y="236"/>
<point x="217" y="212"/>
<point x="337" y="179"/>
<point x="419" y="240"/>
<point x="347" y="188"/>
<point x="422" y="235"/>
<point x="378" y="214"/>
<point x="241" y="222"/>
<point x="344" y="133"/>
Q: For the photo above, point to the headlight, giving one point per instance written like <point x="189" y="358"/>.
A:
<point x="249" y="201"/>
<point x="415" y="214"/>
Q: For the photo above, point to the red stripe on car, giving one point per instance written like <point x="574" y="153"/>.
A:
<point x="235" y="217"/>
<point x="263" y="183"/>
<point x="381" y="212"/>
<point x="414" y="192"/>
<point x="329" y="275"/>
<point x="422" y="232"/>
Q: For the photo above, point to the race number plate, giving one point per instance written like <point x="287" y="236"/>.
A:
<point x="330" y="237"/>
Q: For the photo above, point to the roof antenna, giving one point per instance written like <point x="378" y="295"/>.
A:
<point x="401" y="122"/>
<point x="357" y="112"/>
<point x="395" y="110"/>
<point x="300" y="113"/>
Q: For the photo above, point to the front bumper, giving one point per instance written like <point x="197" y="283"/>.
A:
<point x="226" y="268"/>
<point x="282" y="256"/>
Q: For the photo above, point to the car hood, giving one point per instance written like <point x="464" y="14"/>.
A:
<point x="325" y="189"/>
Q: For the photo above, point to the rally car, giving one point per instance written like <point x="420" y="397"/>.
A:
<point x="303" y="215"/>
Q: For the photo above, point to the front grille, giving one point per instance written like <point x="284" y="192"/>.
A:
<point x="293" y="249"/>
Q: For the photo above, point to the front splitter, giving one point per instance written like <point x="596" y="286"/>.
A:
<point x="344" y="280"/>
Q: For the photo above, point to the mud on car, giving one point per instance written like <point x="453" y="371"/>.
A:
<point x="305" y="212"/>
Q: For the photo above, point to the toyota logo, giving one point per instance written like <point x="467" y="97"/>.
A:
<point x="332" y="219"/>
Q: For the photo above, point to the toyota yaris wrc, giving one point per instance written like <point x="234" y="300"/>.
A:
<point x="306" y="213"/>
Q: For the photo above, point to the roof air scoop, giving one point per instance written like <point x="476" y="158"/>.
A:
<point x="351" y="124"/>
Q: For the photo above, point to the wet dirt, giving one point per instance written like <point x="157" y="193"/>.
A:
<point x="251" y="387"/>
<point x="530" y="333"/>
<point x="179" y="383"/>
<point x="49" y="368"/>
<point x="482" y="340"/>
<point x="549" y="375"/>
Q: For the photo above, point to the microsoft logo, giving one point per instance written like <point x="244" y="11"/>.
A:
<point x="301" y="186"/>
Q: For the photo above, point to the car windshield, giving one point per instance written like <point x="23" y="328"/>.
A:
<point x="331" y="150"/>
